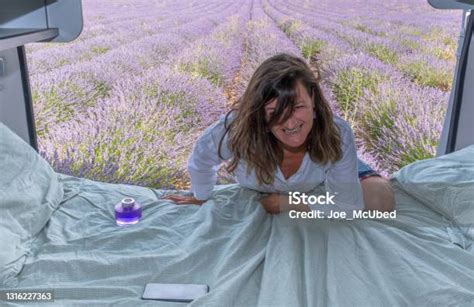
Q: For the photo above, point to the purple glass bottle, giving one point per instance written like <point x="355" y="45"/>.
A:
<point x="127" y="212"/>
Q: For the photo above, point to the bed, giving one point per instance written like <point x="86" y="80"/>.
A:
<point x="58" y="232"/>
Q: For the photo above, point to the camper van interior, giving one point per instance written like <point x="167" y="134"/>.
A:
<point x="62" y="238"/>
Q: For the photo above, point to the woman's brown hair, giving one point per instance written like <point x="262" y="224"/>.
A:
<point x="250" y="138"/>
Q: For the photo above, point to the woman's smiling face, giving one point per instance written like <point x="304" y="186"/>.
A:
<point x="292" y="133"/>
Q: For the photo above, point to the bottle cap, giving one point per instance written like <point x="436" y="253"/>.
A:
<point x="128" y="203"/>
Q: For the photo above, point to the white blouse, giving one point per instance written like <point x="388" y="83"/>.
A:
<point x="340" y="178"/>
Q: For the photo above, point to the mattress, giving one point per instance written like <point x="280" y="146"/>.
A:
<point x="246" y="256"/>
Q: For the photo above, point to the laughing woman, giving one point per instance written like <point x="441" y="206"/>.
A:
<point x="281" y="137"/>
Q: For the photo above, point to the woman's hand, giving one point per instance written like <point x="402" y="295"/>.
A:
<point x="274" y="203"/>
<point x="277" y="203"/>
<point x="183" y="200"/>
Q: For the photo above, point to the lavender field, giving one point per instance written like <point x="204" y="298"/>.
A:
<point x="125" y="102"/>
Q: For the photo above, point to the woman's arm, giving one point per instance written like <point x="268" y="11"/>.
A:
<point x="203" y="164"/>
<point x="342" y="178"/>
<point x="204" y="160"/>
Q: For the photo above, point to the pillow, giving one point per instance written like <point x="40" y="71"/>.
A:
<point x="29" y="193"/>
<point x="445" y="184"/>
